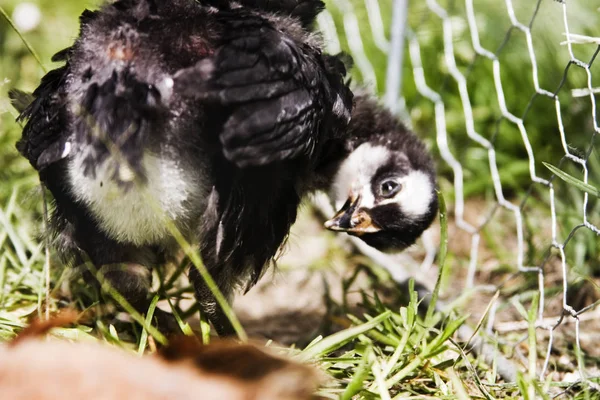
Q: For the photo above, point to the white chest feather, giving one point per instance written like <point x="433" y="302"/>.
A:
<point x="140" y="214"/>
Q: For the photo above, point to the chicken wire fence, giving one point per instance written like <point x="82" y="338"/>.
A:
<point x="449" y="58"/>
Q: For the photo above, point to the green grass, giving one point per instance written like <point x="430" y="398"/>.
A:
<point x="380" y="348"/>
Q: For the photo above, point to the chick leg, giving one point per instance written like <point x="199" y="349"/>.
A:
<point x="132" y="282"/>
<point x="207" y="301"/>
<point x="219" y="269"/>
<point x="125" y="270"/>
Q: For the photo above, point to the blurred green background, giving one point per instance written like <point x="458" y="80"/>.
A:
<point x="58" y="26"/>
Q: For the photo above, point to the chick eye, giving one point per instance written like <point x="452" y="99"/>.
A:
<point x="390" y="188"/>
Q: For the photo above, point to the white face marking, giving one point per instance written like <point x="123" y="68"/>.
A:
<point x="356" y="175"/>
<point x="138" y="215"/>
<point x="415" y="195"/>
<point x="356" y="172"/>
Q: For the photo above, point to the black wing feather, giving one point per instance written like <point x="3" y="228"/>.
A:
<point x="44" y="135"/>
<point x="275" y="90"/>
<point x="305" y="11"/>
<point x="20" y="100"/>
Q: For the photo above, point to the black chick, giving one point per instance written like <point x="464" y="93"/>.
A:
<point x="384" y="185"/>
<point x="212" y="116"/>
<point x="218" y="117"/>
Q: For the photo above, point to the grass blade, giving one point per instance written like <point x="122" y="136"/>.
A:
<point x="25" y="42"/>
<point x="149" y="315"/>
<point x="579" y="184"/>
<point x="441" y="257"/>
<point x="339" y="339"/>
<point x="357" y="382"/>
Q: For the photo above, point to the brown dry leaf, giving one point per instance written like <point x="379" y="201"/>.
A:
<point x="39" y="327"/>
<point x="262" y="375"/>
<point x="38" y="369"/>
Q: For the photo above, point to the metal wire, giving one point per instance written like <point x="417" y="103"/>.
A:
<point x="547" y="320"/>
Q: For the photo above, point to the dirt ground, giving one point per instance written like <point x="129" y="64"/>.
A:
<point x="292" y="304"/>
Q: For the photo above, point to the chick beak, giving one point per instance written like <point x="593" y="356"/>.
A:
<point x="352" y="219"/>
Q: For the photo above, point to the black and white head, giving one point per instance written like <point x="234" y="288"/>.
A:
<point x="385" y="189"/>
